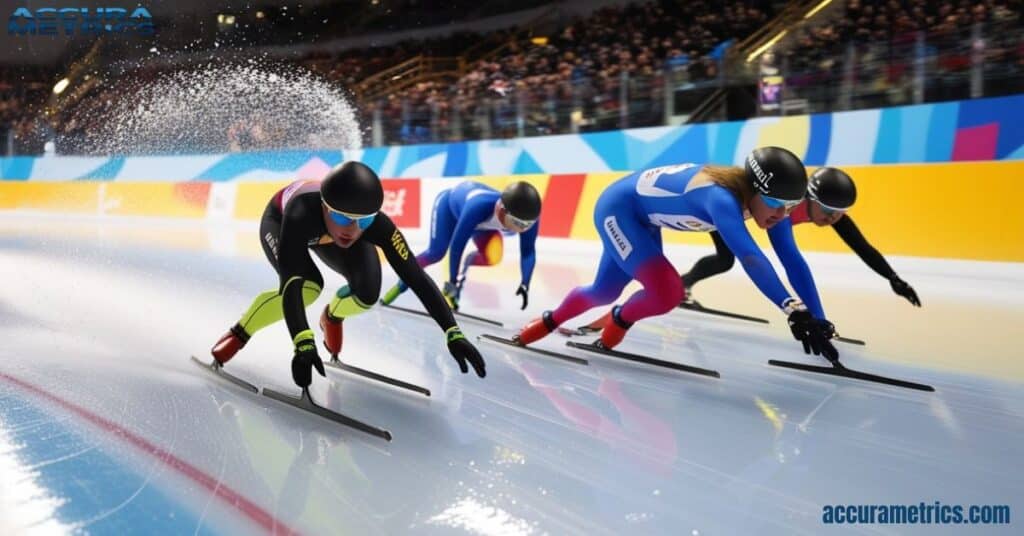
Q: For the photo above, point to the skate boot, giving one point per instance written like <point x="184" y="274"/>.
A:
<point x="229" y="344"/>
<point x="688" y="302"/>
<point x="536" y="329"/>
<point x="615" y="330"/>
<point x="393" y="293"/>
<point x="597" y="325"/>
<point x="332" y="333"/>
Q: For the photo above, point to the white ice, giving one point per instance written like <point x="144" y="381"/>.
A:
<point x="104" y="316"/>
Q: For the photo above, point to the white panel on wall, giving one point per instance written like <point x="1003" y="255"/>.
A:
<point x="854" y="135"/>
<point x="65" y="168"/>
<point x="564" y="154"/>
<point x="429" y="167"/>
<point x="221" y="204"/>
<point x="166" y="168"/>
<point x="498" y="157"/>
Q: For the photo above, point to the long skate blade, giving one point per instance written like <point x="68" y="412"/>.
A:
<point x="698" y="308"/>
<point x="852" y="374"/>
<point x="405" y="310"/>
<point x="591" y="347"/>
<point x="218" y="370"/>
<point x="581" y="331"/>
<point x="305" y="403"/>
<point x="378" y="377"/>
<point x="541" y="351"/>
<point x="848" y="340"/>
<point x="479" y="319"/>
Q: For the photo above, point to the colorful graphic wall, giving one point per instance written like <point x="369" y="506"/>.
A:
<point x="933" y="181"/>
<point x="983" y="129"/>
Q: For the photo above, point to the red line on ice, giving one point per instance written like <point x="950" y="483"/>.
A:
<point x="229" y="496"/>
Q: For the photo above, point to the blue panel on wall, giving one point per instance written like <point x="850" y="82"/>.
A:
<point x="473" y="160"/>
<point x="610" y="146"/>
<point x="236" y="164"/>
<point x="726" y="138"/>
<point x="941" y="132"/>
<point x="17" y="168"/>
<point x="690" y="147"/>
<point x="455" y="164"/>
<point x="107" y="171"/>
<point x="1005" y="112"/>
<point x="821" y="139"/>
<point x="526" y="164"/>
<point x="374" y="157"/>
<point x="887" y="146"/>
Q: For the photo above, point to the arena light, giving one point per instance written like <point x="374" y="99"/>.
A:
<point x="59" y="87"/>
<point x="260" y="14"/>
<point x="817" y="8"/>
<point x="766" y="46"/>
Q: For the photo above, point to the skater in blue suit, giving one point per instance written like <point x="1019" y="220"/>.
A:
<point x="629" y="216"/>
<point x="475" y="211"/>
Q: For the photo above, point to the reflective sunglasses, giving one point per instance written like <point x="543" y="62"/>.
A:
<point x="774" y="202"/>
<point x="518" y="223"/>
<point x="829" y="211"/>
<point x="347" y="219"/>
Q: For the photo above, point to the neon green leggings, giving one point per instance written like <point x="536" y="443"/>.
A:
<point x="267" y="308"/>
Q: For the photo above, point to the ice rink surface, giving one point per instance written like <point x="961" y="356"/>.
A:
<point x="106" y="426"/>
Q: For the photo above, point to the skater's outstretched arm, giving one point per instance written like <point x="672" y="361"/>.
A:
<point x="850" y="234"/>
<point x="386" y="235"/>
<point x="799" y="274"/>
<point x="528" y="253"/>
<point x="725" y="212"/>
<point x="301" y="281"/>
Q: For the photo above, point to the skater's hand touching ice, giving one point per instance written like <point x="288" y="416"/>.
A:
<point x="305" y="359"/>
<point x="904" y="289"/>
<point x="814" y="333"/>
<point x="523" y="291"/>
<point x="463" y="351"/>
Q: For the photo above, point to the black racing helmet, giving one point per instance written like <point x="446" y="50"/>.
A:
<point x="777" y="173"/>
<point x="352" y="188"/>
<point x="522" y="201"/>
<point x="832" y="188"/>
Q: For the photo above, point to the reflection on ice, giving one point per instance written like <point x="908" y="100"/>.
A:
<point x="105" y="317"/>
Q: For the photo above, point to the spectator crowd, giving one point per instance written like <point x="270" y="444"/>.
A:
<point x="571" y="74"/>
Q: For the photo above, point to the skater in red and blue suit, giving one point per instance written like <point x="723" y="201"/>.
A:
<point x="629" y="216"/>
<point x="475" y="211"/>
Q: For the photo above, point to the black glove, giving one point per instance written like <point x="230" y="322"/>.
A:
<point x="523" y="291"/>
<point x="462" y="350"/>
<point x="303" y="362"/>
<point x="814" y="334"/>
<point x="451" y="293"/>
<point x="901" y="287"/>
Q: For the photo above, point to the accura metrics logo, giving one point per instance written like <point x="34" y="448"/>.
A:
<point x="762" y="180"/>
<point x="400" y="246"/>
<point x="622" y="245"/>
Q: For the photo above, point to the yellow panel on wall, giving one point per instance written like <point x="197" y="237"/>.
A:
<point x="252" y="197"/>
<point x="77" y="197"/>
<point x="791" y="132"/>
<point x="162" y="199"/>
<point x="960" y="210"/>
<point x="583" y="221"/>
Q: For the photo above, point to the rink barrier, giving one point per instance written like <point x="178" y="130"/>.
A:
<point x="954" y="131"/>
<point x="959" y="210"/>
